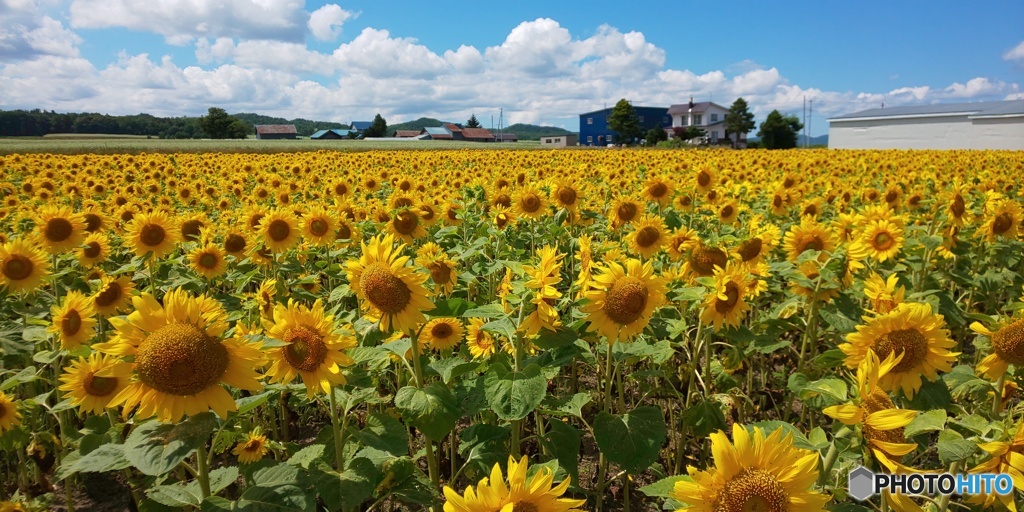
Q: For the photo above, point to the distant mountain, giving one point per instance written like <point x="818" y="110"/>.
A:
<point x="304" y="127"/>
<point x="417" y="125"/>
<point x="534" y="132"/>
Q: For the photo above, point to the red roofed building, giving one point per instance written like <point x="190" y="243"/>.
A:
<point x="477" y="135"/>
<point x="276" y="131"/>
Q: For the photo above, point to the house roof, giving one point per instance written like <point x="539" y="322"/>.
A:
<point x="477" y="133"/>
<point x="275" y="128"/>
<point x="506" y="136"/>
<point x="699" y="107"/>
<point x="453" y="127"/>
<point x="406" y="133"/>
<point x="321" y="133"/>
<point x="361" y="125"/>
<point x="975" y="109"/>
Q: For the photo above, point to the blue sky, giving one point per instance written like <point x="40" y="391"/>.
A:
<point x="541" y="62"/>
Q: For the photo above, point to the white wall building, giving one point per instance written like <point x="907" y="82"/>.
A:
<point x="981" y="125"/>
<point x="705" y="115"/>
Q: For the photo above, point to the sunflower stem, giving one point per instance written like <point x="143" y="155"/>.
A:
<point x="944" y="501"/>
<point x="433" y="467"/>
<point x="203" y="470"/>
<point x="625" y="492"/>
<point x="336" y="427"/>
<point x="810" y="329"/>
<point x="997" y="399"/>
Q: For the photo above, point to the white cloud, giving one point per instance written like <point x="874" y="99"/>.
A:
<point x="756" y="81"/>
<point x="375" y="53"/>
<point x="265" y="54"/>
<point x="46" y="36"/>
<point x="916" y="93"/>
<point x="182" y="21"/>
<point x="466" y="59"/>
<point x="1016" y="54"/>
<point x="325" y="23"/>
<point x="974" y="87"/>
<point x="539" y="48"/>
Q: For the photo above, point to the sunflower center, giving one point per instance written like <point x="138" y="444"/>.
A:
<point x="750" y="249"/>
<point x="3" y="410"/>
<point x="344" y="232"/>
<point x="658" y="190"/>
<point x="406" y="222"/>
<point x="1008" y="342"/>
<point x="92" y="249"/>
<point x="883" y="241"/>
<point x="58" y="230"/>
<point x="386" y="291"/>
<point x="71" y="323"/>
<point x="441" y="330"/>
<point x="626" y="211"/>
<point x="891" y="196"/>
<point x="427" y="212"/>
<point x="318" y="227"/>
<point x="254" y="220"/>
<point x="703" y="179"/>
<point x="452" y="214"/>
<point x="92" y="222"/>
<point x="524" y="506"/>
<point x="732" y="293"/>
<point x="958" y="208"/>
<point x="626" y="300"/>
<point x="777" y="201"/>
<point x="812" y="243"/>
<point x="530" y="203"/>
<point x="440" y="272"/>
<point x="306" y="350"/>
<point x="753" y="490"/>
<point x="207" y="260"/>
<point x="99" y="386"/>
<point x="704" y="260"/>
<point x="647" y="236"/>
<point x="234" y="243"/>
<point x="910" y="342"/>
<point x="1002" y="223"/>
<point x="18" y="267"/>
<point x="727" y="211"/>
<point x="253" y="446"/>
<point x="190" y="229"/>
<point x="566" y="195"/>
<point x="181" y="359"/>
<point x="152" y="235"/>
<point x="110" y="294"/>
<point x="503" y="200"/>
<point x="279" y="230"/>
<point x="879" y="400"/>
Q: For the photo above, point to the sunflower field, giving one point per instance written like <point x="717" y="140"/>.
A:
<point x="514" y="331"/>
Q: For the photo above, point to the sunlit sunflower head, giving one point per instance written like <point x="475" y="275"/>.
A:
<point x="389" y="290"/>
<point x="266" y="298"/>
<point x="451" y="213"/>
<point x="23" y="266"/>
<point x="95" y="250"/>
<point x="312" y="350"/>
<point x="95" y="220"/>
<point x="209" y="261"/>
<point x="279" y="230"/>
<point x="1004" y="456"/>
<point x="252" y="448"/>
<point x="113" y="295"/>
<point x="624" y="210"/>
<point x="884" y="294"/>
<point x="406" y="224"/>
<point x="912" y="329"/>
<point x="1002" y="219"/>
<point x="235" y="242"/>
<point x="481" y="344"/>
<point x="703" y="259"/>
<point x="882" y="239"/>
<point x="957" y="208"/>
<point x="1007" y="346"/>
<point x="565" y="194"/>
<point x="679" y="242"/>
<point x="152" y="233"/>
<point x="9" y="415"/>
<point x="319" y="227"/>
<point x="180" y="358"/>
<point x="74" y="320"/>
<point x="528" y="202"/>
<point x="518" y="494"/>
<point x="658" y="189"/>
<point x="728" y="212"/>
<point x="441" y="267"/>
<point x="724" y="305"/>
<point x="92" y="382"/>
<point x="705" y="179"/>
<point x="59" y="229"/>
<point x="442" y="333"/>
<point x="623" y="298"/>
<point x="648" y="237"/>
<point x="759" y="243"/>
<point x="751" y="473"/>
<point x="192" y="225"/>
<point x="806" y="236"/>
<point x="503" y="217"/>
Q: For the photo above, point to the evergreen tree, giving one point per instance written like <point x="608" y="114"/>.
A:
<point x="378" y="128"/>
<point x="216" y="123"/>
<point x="624" y="122"/>
<point x="472" y="122"/>
<point x="779" y="131"/>
<point x="739" y="120"/>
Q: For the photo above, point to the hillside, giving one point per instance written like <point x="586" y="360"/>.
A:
<point x="417" y="125"/>
<point x="534" y="132"/>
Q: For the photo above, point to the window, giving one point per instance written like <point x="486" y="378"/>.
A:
<point x="714" y="118"/>
<point x="685" y="121"/>
<point x="590" y="139"/>
<point x="714" y="136"/>
<point x="641" y="119"/>
<point x="664" y="120"/>
<point x="697" y="120"/>
<point x="547" y="141"/>
<point x="590" y="120"/>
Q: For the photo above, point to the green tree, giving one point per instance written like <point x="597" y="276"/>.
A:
<point x="779" y="131"/>
<point x="216" y="123"/>
<point x="472" y="123"/>
<point x="624" y="122"/>
<point x="378" y="128"/>
<point x="654" y="136"/>
<point x="739" y="120"/>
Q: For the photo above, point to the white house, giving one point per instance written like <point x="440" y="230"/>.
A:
<point x="705" y="115"/>
<point x="980" y="125"/>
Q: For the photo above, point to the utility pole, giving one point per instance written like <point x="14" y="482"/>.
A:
<point x="805" y="121"/>
<point x="810" y="117"/>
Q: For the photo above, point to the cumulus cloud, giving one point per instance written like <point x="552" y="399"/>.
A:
<point x="375" y="53"/>
<point x="1015" y="54"/>
<point x="182" y="21"/>
<point x="325" y="23"/>
<point x="43" y="37"/>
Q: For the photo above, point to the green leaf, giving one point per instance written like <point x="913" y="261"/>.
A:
<point x="549" y="340"/>
<point x="177" y="495"/>
<point x="282" y="498"/>
<point x="453" y="367"/>
<point x="108" y="457"/>
<point x="217" y="504"/>
<point x="834" y="390"/>
<point x="433" y="410"/>
<point x="704" y="418"/>
<point x="276" y="475"/>
<point x="633" y="440"/>
<point x="976" y="424"/>
<point x="453" y="307"/>
<point x="156" y="448"/>
<point x="932" y="395"/>
<point x="664" y="487"/>
<point x="572" y="405"/>
<point x="513" y="395"/>
<point x="931" y="421"/>
<point x="384" y="437"/>
<point x="351" y="488"/>
<point x="485" y="311"/>
<point x="563" y="440"/>
<point x="249" y="403"/>
<point x="502" y="326"/>
<point x="953" y="447"/>
<point x="484" y="445"/>
<point x="25" y="375"/>
<point x="306" y="456"/>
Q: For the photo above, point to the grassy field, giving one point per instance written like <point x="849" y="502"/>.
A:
<point x="129" y="144"/>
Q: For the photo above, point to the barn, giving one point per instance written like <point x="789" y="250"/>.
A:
<point x="276" y="131"/>
<point x="979" y="125"/>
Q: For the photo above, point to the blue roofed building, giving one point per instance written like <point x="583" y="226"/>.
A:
<point x="332" y="133"/>
<point x="361" y="126"/>
<point x="594" y="129"/>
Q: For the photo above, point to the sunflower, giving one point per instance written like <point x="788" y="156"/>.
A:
<point x="811" y="271"/>
<point x="529" y="202"/>
<point x="9" y="415"/>
<point x="912" y="330"/>
<point x="208" y="261"/>
<point x="279" y="230"/>
<point x="407" y="225"/>
<point x="535" y="494"/>
<point x="648" y="237"/>
<point x="60" y="229"/>
<point x="95" y="250"/>
<point x="679" y="242"/>
<point x="252" y="448"/>
<point x="761" y="240"/>
<point x="23" y="267"/>
<point x="74" y="320"/>
<point x="543" y="278"/>
<point x="724" y="304"/>
<point x="658" y="190"/>
<point x="480" y="342"/>
<point x="565" y="194"/>
<point x="235" y="243"/>
<point x="452" y="214"/>
<point x="624" y="210"/>
<point x="179" y="357"/>
<point x="1004" y="457"/>
<point x="388" y="289"/>
<point x="753" y="472"/>
<point x="113" y="295"/>
<point x="702" y="259"/>
<point x="91" y="382"/>
<point x="728" y="212"/>
<point x="312" y="350"/>
<point x="883" y="239"/>
<point x="442" y="333"/>
<point x="883" y="293"/>
<point x="266" y="298"/>
<point x="957" y="209"/>
<point x="705" y="180"/>
<point x="152" y="233"/>
<point x="503" y="217"/>
<point x="1007" y="346"/>
<point x="807" y="236"/>
<point x="319" y="227"/>
<point x="1003" y="218"/>
<point x="623" y="298"/>
<point x="442" y="269"/>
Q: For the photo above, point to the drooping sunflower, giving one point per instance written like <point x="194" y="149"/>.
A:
<point x="957" y="209"/>
<point x="235" y="243"/>
<point x="92" y="382"/>
<point x="1002" y="219"/>
<point x="724" y="304"/>
<point x="113" y="295"/>
<point x="313" y="349"/>
<point x="9" y="415"/>
<point x="761" y="240"/>
<point x="180" y="358"/>
<point x="679" y="242"/>
<point x="912" y="329"/>
<point x="883" y="294"/>
<point x="519" y="493"/>
<point x="623" y="298"/>
<point x="152" y="233"/>
<point x="883" y="239"/>
<point x="480" y="342"/>
<point x="503" y="217"/>
<point x="252" y="448"/>
<point x="279" y="230"/>
<point x="442" y="269"/>
<point x="442" y="333"/>
<point x="388" y="289"/>
<point x="1007" y="346"/>
<point x="649" y="236"/>
<point x="95" y="250"/>
<point x="60" y="229"/>
<point x="319" y="227"/>
<point x="808" y="235"/>
<point x="74" y="320"/>
<point x="528" y="202"/>
<point x="208" y="261"/>
<point x="753" y="472"/>
<point x="23" y="267"/>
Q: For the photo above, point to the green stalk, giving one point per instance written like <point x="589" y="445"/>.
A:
<point x="339" y="442"/>
<point x="203" y="471"/>
<point x="432" y="463"/>
<point x="997" y="400"/>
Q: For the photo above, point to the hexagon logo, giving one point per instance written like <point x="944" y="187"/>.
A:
<point x="861" y="483"/>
